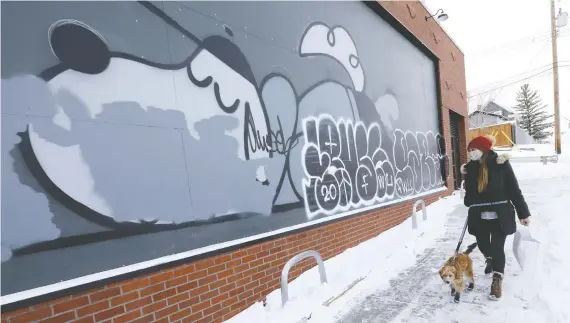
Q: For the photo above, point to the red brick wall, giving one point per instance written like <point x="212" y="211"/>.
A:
<point x="217" y="288"/>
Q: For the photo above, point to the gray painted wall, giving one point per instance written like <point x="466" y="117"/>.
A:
<point x="132" y="132"/>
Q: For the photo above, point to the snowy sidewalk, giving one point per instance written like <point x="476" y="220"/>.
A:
<point x="418" y="295"/>
<point x="394" y="276"/>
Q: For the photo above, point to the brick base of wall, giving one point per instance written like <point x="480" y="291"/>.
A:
<point x="216" y="288"/>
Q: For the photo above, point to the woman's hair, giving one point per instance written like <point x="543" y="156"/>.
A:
<point x="483" y="174"/>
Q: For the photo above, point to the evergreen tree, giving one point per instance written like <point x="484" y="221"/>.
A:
<point x="533" y="119"/>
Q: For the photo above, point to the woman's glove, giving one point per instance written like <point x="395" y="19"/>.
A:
<point x="525" y="222"/>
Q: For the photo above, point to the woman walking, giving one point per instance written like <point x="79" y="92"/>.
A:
<point x="492" y="194"/>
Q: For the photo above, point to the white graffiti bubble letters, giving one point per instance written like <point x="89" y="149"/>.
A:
<point x="335" y="42"/>
<point x="345" y="167"/>
<point x="417" y="157"/>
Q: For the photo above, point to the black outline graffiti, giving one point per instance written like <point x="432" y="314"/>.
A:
<point x="275" y="142"/>
<point x="294" y="139"/>
<point x="289" y="145"/>
<point x="227" y="48"/>
<point x="125" y="229"/>
<point x="381" y="13"/>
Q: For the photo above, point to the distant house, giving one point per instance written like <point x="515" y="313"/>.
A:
<point x="490" y="114"/>
<point x="499" y="121"/>
<point x="481" y="119"/>
<point x="494" y="108"/>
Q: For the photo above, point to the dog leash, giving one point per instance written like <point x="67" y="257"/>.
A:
<point x="465" y="226"/>
<point x="461" y="238"/>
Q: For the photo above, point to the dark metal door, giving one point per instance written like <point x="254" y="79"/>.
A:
<point x="455" y="147"/>
<point x="456" y="162"/>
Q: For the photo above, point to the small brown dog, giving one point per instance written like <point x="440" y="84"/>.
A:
<point x="455" y="268"/>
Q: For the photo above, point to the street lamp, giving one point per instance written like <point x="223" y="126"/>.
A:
<point x="441" y="16"/>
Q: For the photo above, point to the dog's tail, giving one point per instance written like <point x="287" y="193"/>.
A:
<point x="470" y="248"/>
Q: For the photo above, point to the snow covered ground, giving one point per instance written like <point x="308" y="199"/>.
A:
<point x="393" y="277"/>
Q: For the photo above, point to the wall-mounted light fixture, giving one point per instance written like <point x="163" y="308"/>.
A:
<point x="441" y="16"/>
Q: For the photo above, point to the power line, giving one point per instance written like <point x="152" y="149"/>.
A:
<point x="529" y="63"/>
<point x="515" y="41"/>
<point x="492" y="96"/>
<point x="548" y="37"/>
<point x="511" y="77"/>
<point x="517" y="81"/>
<point x="534" y="69"/>
<point x="539" y="36"/>
<point x="510" y="45"/>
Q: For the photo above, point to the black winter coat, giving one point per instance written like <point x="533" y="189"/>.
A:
<point x="503" y="185"/>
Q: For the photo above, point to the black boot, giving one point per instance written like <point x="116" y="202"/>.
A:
<point x="489" y="266"/>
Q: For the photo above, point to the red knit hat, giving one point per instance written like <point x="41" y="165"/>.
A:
<point x="482" y="143"/>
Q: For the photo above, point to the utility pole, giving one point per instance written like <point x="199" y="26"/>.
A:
<point x="557" y="145"/>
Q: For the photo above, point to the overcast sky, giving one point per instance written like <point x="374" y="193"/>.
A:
<point x="506" y="40"/>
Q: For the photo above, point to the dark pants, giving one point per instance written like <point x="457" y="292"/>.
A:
<point x="491" y="242"/>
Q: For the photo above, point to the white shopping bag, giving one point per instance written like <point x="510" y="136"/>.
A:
<point x="528" y="253"/>
<point x="526" y="249"/>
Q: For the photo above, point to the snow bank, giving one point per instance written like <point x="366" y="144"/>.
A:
<point x="537" y="150"/>
<point x="551" y="227"/>
<point x="378" y="260"/>
<point x="527" y="151"/>
<point x="547" y="189"/>
<point x="528" y="168"/>
<point x="536" y="170"/>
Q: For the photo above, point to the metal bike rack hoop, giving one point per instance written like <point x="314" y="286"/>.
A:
<point x="291" y="263"/>
<point x="414" y="213"/>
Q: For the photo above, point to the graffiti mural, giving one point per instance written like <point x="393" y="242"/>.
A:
<point x="128" y="157"/>
<point x="346" y="167"/>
